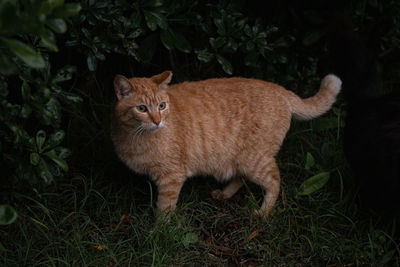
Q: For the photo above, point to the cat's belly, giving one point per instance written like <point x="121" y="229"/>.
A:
<point x="222" y="170"/>
<point x="211" y="156"/>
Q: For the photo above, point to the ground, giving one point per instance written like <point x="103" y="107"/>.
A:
<point x="108" y="218"/>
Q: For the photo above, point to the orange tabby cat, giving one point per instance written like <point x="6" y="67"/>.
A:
<point x="229" y="128"/>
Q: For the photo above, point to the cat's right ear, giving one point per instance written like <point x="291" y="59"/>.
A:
<point x="163" y="79"/>
<point x="122" y="87"/>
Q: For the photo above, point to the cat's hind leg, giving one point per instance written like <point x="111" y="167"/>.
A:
<point x="266" y="174"/>
<point x="229" y="190"/>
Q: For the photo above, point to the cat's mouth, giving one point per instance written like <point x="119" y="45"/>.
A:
<point x="147" y="129"/>
<point x="155" y="128"/>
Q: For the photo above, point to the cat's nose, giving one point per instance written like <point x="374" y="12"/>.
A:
<point x="156" y="119"/>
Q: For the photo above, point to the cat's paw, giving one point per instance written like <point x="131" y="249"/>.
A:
<point x="261" y="214"/>
<point x="332" y="82"/>
<point x="217" y="194"/>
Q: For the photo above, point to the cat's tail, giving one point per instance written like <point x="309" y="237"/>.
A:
<point x="308" y="108"/>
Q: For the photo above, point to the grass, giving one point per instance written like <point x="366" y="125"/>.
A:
<point x="91" y="222"/>
<point x="104" y="215"/>
<point x="103" y="220"/>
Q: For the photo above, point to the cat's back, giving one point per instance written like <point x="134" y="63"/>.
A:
<point x="231" y="100"/>
<point x="229" y="95"/>
<point x="218" y="87"/>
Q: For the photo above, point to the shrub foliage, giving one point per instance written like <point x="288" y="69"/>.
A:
<point x="41" y="40"/>
<point x="31" y="92"/>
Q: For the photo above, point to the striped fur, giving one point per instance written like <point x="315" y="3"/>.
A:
<point x="230" y="128"/>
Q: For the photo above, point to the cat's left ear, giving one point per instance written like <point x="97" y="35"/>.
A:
<point x="163" y="79"/>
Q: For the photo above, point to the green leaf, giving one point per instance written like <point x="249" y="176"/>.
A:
<point x="220" y="26"/>
<point x="309" y="161"/>
<point x="55" y="139"/>
<point x="67" y="10"/>
<point x="46" y="93"/>
<point x="44" y="115"/>
<point x="136" y="19"/>
<point x="58" y="160"/>
<point x="217" y="42"/>
<point x="47" y="6"/>
<point x="7" y="214"/>
<point x="57" y="25"/>
<point x="44" y="172"/>
<point x="48" y="40"/>
<point x="231" y="46"/>
<point x="26" y="110"/>
<point x="100" y="56"/>
<point x="172" y="39"/>
<point x="91" y="62"/>
<point x="250" y="46"/>
<point x="26" y="91"/>
<point x="167" y="39"/>
<point x="34" y="158"/>
<point x="326" y="150"/>
<point x="7" y="65"/>
<point x="181" y="43"/>
<point x="313" y="184"/>
<point x="54" y="109"/>
<point x="26" y="53"/>
<point x="62" y="152"/>
<point x="30" y="143"/>
<point x="247" y="30"/>
<point x="8" y="13"/>
<point x="3" y="89"/>
<point x="190" y="238"/>
<point x="154" y="19"/>
<point x="226" y="65"/>
<point x="64" y="74"/>
<point x="40" y="139"/>
<point x="204" y="55"/>
<point x="282" y="59"/>
<point x="71" y="97"/>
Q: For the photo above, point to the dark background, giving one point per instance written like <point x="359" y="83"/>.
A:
<point x="77" y="187"/>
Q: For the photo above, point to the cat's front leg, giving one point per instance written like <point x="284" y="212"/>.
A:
<point x="169" y="186"/>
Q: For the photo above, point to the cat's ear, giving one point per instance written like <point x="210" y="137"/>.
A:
<point x="163" y="79"/>
<point x="122" y="87"/>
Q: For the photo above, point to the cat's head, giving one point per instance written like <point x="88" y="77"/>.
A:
<point x="142" y="103"/>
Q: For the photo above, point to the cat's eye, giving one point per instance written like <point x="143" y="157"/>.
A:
<point x="162" y="105"/>
<point x="142" y="108"/>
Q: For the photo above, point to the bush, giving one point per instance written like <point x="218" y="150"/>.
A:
<point x="31" y="92"/>
<point x="191" y="37"/>
<point x="185" y="32"/>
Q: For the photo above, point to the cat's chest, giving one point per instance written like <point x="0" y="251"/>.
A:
<point x="142" y="156"/>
